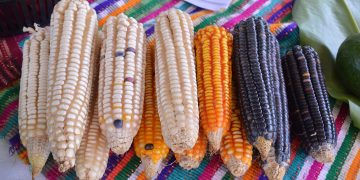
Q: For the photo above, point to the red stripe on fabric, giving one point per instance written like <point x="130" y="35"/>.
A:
<point x="121" y="164"/>
<point x="295" y="144"/>
<point x="211" y="168"/>
<point x="316" y="167"/>
<point x="53" y="173"/>
<point x="7" y="112"/>
<point x="158" y="11"/>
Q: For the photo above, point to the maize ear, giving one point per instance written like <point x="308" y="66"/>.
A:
<point x="254" y="81"/>
<point x="121" y="81"/>
<point x="213" y="46"/>
<point x="236" y="151"/>
<point x="92" y="156"/>
<point x="175" y="78"/>
<point x="310" y="115"/>
<point x="279" y="156"/>
<point x="149" y="143"/>
<point x="73" y="34"/>
<point x="32" y="98"/>
<point x="191" y="158"/>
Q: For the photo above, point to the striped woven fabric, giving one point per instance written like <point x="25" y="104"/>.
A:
<point x="128" y="166"/>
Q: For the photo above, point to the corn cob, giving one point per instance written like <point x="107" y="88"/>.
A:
<point x="149" y="143"/>
<point x="254" y="81"/>
<point x="121" y="82"/>
<point x="175" y="77"/>
<point x="236" y="151"/>
<point x="279" y="156"/>
<point x="310" y="115"/>
<point x="32" y="99"/>
<point x="213" y="51"/>
<point x="191" y="158"/>
<point x="92" y="156"/>
<point x="73" y="31"/>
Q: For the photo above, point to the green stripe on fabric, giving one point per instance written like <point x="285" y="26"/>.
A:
<point x="145" y="8"/>
<point x="70" y="175"/>
<point x="267" y="8"/>
<point x="291" y="39"/>
<point x="287" y="18"/>
<point x="11" y="124"/>
<point x="228" y="176"/>
<point x="212" y="19"/>
<point x="9" y="99"/>
<point x="343" y="152"/>
<point x="184" y="6"/>
<point x="178" y="172"/>
<point x="129" y="168"/>
<point x="296" y="164"/>
<point x="13" y="90"/>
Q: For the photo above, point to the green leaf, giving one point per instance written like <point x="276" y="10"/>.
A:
<point x="324" y="25"/>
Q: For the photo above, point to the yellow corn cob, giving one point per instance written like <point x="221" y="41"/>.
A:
<point x="236" y="151"/>
<point x="191" y="158"/>
<point x="92" y="156"/>
<point x="121" y="82"/>
<point x="175" y="78"/>
<point x="73" y="31"/>
<point x="32" y="99"/>
<point x="213" y="51"/>
<point x="149" y="143"/>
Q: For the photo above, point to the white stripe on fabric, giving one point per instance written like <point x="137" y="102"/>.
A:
<point x="220" y="173"/>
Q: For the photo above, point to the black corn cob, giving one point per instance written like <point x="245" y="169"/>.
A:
<point x="262" y="98"/>
<point x="276" y="163"/>
<point x="310" y="113"/>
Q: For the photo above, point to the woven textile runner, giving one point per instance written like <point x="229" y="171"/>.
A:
<point x="128" y="166"/>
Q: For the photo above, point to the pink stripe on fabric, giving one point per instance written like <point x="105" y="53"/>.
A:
<point x="7" y="112"/>
<point x="211" y="168"/>
<point x="317" y="166"/>
<point x="157" y="12"/>
<point x="248" y="12"/>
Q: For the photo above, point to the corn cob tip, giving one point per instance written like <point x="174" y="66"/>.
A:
<point x="236" y="166"/>
<point x="38" y="152"/>
<point x="37" y="163"/>
<point x="274" y="171"/>
<point x="188" y="162"/>
<point x="121" y="147"/>
<point x="181" y="141"/>
<point x="151" y="168"/>
<point x="325" y="153"/>
<point x="66" y="165"/>
<point x="214" y="139"/>
<point x="263" y="146"/>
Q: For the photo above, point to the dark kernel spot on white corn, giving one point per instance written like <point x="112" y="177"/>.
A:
<point x="119" y="53"/>
<point x="118" y="123"/>
<point x="130" y="49"/>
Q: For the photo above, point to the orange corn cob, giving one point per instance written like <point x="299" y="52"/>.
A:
<point x="149" y="143"/>
<point x="190" y="159"/>
<point x="213" y="51"/>
<point x="236" y="151"/>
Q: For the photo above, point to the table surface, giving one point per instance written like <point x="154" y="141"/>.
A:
<point x="11" y="167"/>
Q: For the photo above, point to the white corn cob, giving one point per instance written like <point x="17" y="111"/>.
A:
<point x="92" y="156"/>
<point x="121" y="81"/>
<point x="175" y="78"/>
<point x="73" y="31"/>
<point x="32" y="99"/>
